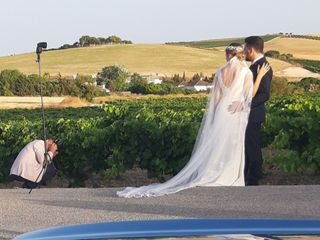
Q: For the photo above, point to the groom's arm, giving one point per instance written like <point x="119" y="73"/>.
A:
<point x="263" y="93"/>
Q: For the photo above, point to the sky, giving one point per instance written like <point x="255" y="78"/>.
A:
<point x="23" y="23"/>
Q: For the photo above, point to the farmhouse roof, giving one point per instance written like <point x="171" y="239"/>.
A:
<point x="202" y="83"/>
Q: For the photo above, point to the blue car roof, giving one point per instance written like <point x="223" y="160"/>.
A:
<point x="176" y="228"/>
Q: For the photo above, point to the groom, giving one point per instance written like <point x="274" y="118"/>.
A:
<point x="253" y="50"/>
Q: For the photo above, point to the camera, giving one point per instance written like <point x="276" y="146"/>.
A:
<point x="57" y="141"/>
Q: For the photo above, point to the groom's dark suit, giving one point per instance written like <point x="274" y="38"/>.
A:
<point x="253" y="162"/>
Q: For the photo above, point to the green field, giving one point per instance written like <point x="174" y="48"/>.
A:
<point x="219" y="42"/>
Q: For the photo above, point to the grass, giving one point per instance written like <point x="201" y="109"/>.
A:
<point x="299" y="48"/>
<point x="278" y="65"/>
<point x="219" y="42"/>
<point x="144" y="59"/>
<point x="163" y="59"/>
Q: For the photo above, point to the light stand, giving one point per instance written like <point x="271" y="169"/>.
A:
<point x="40" y="47"/>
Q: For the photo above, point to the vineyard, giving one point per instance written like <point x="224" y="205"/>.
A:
<point x="219" y="42"/>
<point x="311" y="65"/>
<point x="157" y="135"/>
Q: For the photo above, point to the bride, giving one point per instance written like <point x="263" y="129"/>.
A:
<point x="218" y="155"/>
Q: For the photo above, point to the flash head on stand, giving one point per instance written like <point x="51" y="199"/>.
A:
<point x="41" y="46"/>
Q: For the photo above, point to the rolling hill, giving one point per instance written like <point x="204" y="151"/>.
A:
<point x="300" y="48"/>
<point x="213" y="43"/>
<point x="164" y="59"/>
<point x="144" y="59"/>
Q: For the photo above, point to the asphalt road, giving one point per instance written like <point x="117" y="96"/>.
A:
<point x="21" y="212"/>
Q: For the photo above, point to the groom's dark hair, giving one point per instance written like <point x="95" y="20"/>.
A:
<point x="255" y="42"/>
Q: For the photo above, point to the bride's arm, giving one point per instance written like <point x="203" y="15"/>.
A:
<point x="261" y="72"/>
<point x="245" y="103"/>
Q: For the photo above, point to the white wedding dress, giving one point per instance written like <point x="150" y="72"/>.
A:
<point x="218" y="156"/>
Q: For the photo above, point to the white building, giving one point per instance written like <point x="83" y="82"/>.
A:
<point x="103" y="88"/>
<point x="74" y="76"/>
<point x="202" y="86"/>
<point x="153" y="79"/>
<point x="198" y="86"/>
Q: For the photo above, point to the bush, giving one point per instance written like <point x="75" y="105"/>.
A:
<point x="15" y="83"/>
<point x="307" y="85"/>
<point x="279" y="86"/>
<point x="293" y="125"/>
<point x="272" y="53"/>
<point x="114" y="76"/>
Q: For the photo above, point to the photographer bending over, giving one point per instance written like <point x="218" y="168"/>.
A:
<point x="29" y="163"/>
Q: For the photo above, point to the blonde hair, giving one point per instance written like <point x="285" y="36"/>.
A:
<point x="236" y="49"/>
<point x="240" y="55"/>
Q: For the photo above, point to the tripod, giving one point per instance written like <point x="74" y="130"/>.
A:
<point x="47" y="160"/>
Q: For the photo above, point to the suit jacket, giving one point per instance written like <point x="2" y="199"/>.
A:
<point x="29" y="162"/>
<point x="258" y="112"/>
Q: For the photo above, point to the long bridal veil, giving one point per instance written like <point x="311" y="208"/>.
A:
<point x="217" y="158"/>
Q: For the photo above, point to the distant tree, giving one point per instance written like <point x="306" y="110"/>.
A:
<point x="93" y="41"/>
<point x="87" y="40"/>
<point x="35" y="81"/>
<point x="285" y="57"/>
<point x="102" y="40"/>
<point x="113" y="76"/>
<point x="13" y="82"/>
<point x="272" y="53"/>
<point x="136" y="78"/>
<point x="66" y="46"/>
<point x="177" y="79"/>
<point x="83" y="40"/>
<point x="138" y="84"/>
<point x="113" y="39"/>
<point x="208" y="79"/>
<point x="126" y="42"/>
<point x="196" y="77"/>
<point x="184" y="76"/>
<point x="5" y="83"/>
<point x="86" y="87"/>
<point x="289" y="55"/>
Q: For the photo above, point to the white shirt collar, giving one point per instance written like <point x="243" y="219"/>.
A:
<point x="257" y="59"/>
